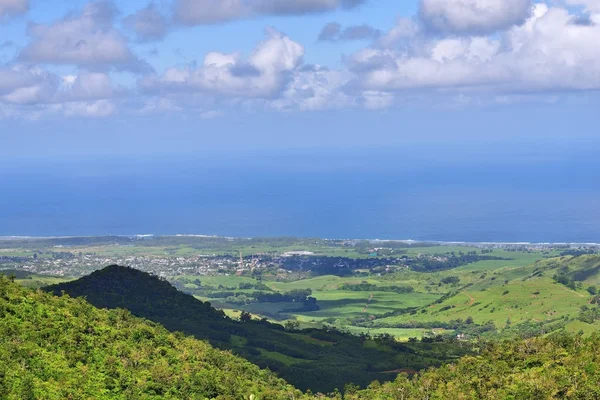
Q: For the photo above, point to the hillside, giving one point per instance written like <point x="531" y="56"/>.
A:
<point x="315" y="359"/>
<point x="559" y="367"/>
<point x="552" y="294"/>
<point x="64" y="348"/>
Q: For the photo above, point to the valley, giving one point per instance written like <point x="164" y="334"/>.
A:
<point x="406" y="289"/>
<point x="322" y="314"/>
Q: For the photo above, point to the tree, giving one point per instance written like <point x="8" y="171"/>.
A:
<point x="291" y="325"/>
<point x="245" y="316"/>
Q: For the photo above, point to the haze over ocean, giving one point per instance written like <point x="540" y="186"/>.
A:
<point x="507" y="194"/>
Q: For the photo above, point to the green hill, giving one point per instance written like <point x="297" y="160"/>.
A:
<point x="319" y="360"/>
<point x="64" y="348"/>
<point x="548" y="295"/>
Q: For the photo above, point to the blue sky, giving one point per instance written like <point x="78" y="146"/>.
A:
<point x="196" y="76"/>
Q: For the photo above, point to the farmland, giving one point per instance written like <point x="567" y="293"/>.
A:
<point x="402" y="289"/>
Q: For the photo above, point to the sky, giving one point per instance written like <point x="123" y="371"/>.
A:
<point x="138" y="78"/>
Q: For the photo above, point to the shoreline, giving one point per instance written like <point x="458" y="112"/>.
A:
<point x="404" y="241"/>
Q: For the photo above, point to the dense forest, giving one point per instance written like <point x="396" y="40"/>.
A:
<point x="64" y="348"/>
<point x="317" y="359"/>
<point x="561" y="366"/>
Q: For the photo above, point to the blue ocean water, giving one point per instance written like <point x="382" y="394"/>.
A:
<point x="395" y="194"/>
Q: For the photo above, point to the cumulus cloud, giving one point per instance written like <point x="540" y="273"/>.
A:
<point x="333" y="32"/>
<point x="45" y="93"/>
<point x="553" y="50"/>
<point x="473" y="16"/>
<point x="27" y="85"/>
<point x="148" y="23"/>
<point x="198" y="12"/>
<point x="263" y="74"/>
<point x="86" y="39"/>
<point x="546" y="53"/>
<point x="314" y="87"/>
<point x="88" y="86"/>
<point x="9" y="8"/>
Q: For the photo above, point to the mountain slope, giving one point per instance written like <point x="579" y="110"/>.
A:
<point x="559" y="367"/>
<point x="64" y="348"/>
<point x="313" y="359"/>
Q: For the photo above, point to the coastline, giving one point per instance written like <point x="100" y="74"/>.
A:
<point x="404" y="241"/>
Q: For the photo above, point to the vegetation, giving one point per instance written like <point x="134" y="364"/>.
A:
<point x="316" y="359"/>
<point x="64" y="348"/>
<point x="559" y="367"/>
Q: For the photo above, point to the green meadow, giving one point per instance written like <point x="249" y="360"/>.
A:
<point x="520" y="289"/>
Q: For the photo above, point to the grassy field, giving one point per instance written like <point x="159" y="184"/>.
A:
<point x="505" y="292"/>
<point x="38" y="281"/>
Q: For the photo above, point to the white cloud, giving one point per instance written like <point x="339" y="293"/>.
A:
<point x="10" y="8"/>
<point x="86" y="39"/>
<point x="46" y="93"/>
<point x="375" y="100"/>
<point x="93" y="109"/>
<point x="27" y="85"/>
<point x="547" y="53"/>
<point x="264" y="74"/>
<point x="315" y="88"/>
<point x="148" y="23"/>
<point x="405" y="28"/>
<point x="473" y="16"/>
<point x="88" y="86"/>
<point x="551" y="52"/>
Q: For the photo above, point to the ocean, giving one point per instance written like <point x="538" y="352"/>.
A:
<point x="502" y="196"/>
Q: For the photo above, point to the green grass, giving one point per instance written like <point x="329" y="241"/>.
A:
<point x="579" y="326"/>
<point x="38" y="281"/>
<point x="287" y="360"/>
<point x="400" y="334"/>
<point x="539" y="299"/>
<point x="225" y="280"/>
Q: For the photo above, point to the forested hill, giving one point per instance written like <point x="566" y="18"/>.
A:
<point x="64" y="348"/>
<point x="562" y="366"/>
<point x="318" y="360"/>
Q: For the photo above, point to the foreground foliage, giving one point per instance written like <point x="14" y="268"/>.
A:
<point x="560" y="367"/>
<point x="64" y="348"/>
